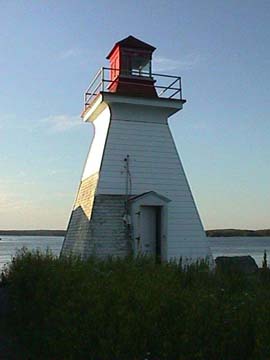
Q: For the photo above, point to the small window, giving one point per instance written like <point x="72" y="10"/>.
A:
<point x="136" y="65"/>
<point x="140" y="66"/>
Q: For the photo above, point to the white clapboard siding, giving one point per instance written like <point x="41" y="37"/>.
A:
<point x="154" y="166"/>
<point x="93" y="161"/>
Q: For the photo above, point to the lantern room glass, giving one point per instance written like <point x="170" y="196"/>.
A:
<point x="140" y="66"/>
<point x="136" y="65"/>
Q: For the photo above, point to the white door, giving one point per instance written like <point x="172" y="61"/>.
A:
<point x="148" y="229"/>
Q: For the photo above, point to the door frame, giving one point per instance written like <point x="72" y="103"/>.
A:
<point x="152" y="199"/>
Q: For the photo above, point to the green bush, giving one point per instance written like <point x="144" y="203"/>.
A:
<point x="133" y="309"/>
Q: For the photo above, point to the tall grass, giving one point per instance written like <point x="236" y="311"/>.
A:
<point x="133" y="309"/>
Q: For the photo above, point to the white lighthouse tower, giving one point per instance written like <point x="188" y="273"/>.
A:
<point x="134" y="197"/>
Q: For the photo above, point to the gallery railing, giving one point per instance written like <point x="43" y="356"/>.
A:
<point x="167" y="86"/>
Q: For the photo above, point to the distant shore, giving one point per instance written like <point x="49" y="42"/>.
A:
<point x="237" y="232"/>
<point x="210" y="233"/>
<point x="33" y="232"/>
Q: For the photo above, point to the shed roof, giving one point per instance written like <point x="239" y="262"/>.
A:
<point x="149" y="193"/>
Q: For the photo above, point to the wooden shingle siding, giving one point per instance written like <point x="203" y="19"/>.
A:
<point x="77" y="231"/>
<point x="108" y="233"/>
<point x="103" y="235"/>
<point x="86" y="194"/>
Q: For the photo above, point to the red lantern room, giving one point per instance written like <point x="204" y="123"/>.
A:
<point x="130" y="68"/>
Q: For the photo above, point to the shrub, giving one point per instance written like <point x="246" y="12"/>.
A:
<point x="133" y="309"/>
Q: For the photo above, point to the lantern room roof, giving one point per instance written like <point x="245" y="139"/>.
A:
<point x="133" y="43"/>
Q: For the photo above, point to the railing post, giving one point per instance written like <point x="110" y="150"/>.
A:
<point x="102" y="79"/>
<point x="180" y="87"/>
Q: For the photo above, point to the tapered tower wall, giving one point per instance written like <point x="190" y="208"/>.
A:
<point x="141" y="132"/>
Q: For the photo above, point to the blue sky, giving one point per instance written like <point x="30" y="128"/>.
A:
<point x="51" y="49"/>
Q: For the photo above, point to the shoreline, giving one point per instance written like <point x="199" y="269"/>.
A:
<point x="32" y="232"/>
<point x="209" y="233"/>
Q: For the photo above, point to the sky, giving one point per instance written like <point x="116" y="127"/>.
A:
<point x="49" y="52"/>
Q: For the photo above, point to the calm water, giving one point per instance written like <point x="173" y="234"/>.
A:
<point x="228" y="246"/>
<point x="241" y="245"/>
<point x="10" y="244"/>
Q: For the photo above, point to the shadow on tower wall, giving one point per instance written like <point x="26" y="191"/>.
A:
<point x="105" y="234"/>
<point x="77" y="240"/>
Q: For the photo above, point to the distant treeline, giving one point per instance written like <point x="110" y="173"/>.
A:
<point x="236" y="232"/>
<point x="211" y="233"/>
<point x="33" y="232"/>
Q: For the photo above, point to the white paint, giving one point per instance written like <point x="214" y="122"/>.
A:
<point x="154" y="166"/>
<point x="139" y="207"/>
<point x="148" y="230"/>
<point x="101" y="125"/>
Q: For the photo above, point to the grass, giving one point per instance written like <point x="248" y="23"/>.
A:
<point x="133" y="309"/>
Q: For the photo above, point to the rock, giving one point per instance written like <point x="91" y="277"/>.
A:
<point x="243" y="264"/>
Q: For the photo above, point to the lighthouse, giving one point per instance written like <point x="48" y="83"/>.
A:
<point x="134" y="197"/>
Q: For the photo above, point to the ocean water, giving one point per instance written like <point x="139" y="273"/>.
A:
<point x="220" y="246"/>
<point x="241" y="245"/>
<point x="9" y="245"/>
